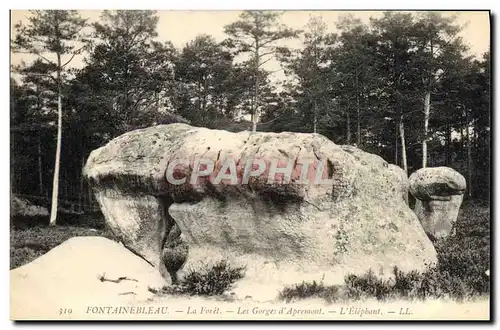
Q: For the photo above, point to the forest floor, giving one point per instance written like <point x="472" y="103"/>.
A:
<point x="28" y="242"/>
<point x="467" y="254"/>
<point x="30" y="239"/>
<point x="463" y="258"/>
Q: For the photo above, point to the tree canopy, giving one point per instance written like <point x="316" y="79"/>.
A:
<point x="402" y="85"/>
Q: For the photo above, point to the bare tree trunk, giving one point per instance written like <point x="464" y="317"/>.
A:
<point x="349" y="135"/>
<point x="348" y="128"/>
<point x="403" y="144"/>
<point x="358" y="123"/>
<point x="256" y="98"/>
<point x="55" y="185"/>
<point x="427" y="107"/>
<point x="462" y="135"/>
<point x="469" y="157"/>
<point x="40" y="174"/>
<point x="396" y="153"/>
<point x="358" y="110"/>
<point x="315" y="119"/>
<point x="158" y="101"/>
<point x="448" y="144"/>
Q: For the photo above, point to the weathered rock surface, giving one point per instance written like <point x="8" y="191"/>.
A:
<point x="404" y="183"/>
<point x="283" y="233"/>
<point x="439" y="193"/>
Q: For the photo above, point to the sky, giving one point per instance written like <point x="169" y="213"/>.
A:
<point x="180" y="27"/>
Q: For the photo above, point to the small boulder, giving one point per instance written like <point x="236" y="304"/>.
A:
<point x="439" y="193"/>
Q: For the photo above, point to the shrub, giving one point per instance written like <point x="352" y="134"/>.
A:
<point x="367" y="285"/>
<point x="210" y="281"/>
<point x="311" y="290"/>
<point x="406" y="285"/>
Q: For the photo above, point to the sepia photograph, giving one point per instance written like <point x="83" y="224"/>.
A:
<point x="322" y="165"/>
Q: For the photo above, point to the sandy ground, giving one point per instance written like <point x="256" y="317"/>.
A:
<point x="65" y="284"/>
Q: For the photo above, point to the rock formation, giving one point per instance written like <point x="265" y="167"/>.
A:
<point x="439" y="193"/>
<point x="404" y="184"/>
<point x="339" y="210"/>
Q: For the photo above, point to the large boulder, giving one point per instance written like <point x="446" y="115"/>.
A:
<point x="439" y="193"/>
<point x="404" y="184"/>
<point x="345" y="212"/>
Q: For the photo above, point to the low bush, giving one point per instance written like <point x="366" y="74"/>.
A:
<point x="312" y="289"/>
<point x="211" y="281"/>
<point x="368" y="285"/>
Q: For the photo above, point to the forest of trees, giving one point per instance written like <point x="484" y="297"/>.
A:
<point x="402" y="86"/>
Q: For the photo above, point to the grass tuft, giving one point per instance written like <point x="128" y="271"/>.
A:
<point x="210" y="281"/>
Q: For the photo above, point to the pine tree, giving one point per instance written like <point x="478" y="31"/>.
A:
<point x="48" y="34"/>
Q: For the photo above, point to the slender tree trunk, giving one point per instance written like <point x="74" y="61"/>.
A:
<point x="403" y="144"/>
<point x="462" y="135"/>
<point x="469" y="156"/>
<point x="55" y="185"/>
<point x="204" y="103"/>
<point x="396" y="153"/>
<point x="358" y="123"/>
<point x="40" y="174"/>
<point x="158" y="101"/>
<point x="315" y="119"/>
<point x="199" y="99"/>
<point x="358" y="110"/>
<point x="348" y="128"/>
<point x="427" y="107"/>
<point x="349" y="134"/>
<point x="448" y="144"/>
<point x="256" y="89"/>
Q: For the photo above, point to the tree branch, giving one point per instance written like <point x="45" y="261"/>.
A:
<point x="264" y="62"/>
<point x="44" y="58"/>
<point x="267" y="53"/>
<point x="72" y="56"/>
<point x="76" y="52"/>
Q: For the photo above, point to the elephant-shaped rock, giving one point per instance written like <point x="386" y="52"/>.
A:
<point x="287" y="206"/>
<point x="439" y="193"/>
